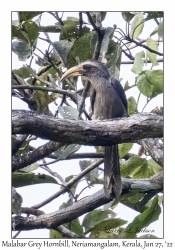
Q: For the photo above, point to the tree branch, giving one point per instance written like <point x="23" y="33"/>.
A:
<point x="70" y="183"/>
<point x="37" y="154"/>
<point x="58" y="90"/>
<point x="98" y="133"/>
<point x="55" y="219"/>
<point x="154" y="149"/>
<point x="143" y="46"/>
<point x="18" y="142"/>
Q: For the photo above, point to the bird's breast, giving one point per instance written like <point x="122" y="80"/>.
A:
<point x="108" y="104"/>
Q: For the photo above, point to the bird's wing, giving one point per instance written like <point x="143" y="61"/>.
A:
<point x="118" y="87"/>
<point x="92" y="98"/>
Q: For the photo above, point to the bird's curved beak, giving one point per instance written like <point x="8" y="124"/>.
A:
<point x="74" y="71"/>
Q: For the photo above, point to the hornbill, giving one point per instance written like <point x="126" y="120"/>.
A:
<point x="108" y="100"/>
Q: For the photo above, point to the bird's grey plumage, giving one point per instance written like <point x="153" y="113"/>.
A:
<point x="108" y="101"/>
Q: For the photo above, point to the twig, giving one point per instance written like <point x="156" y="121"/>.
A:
<point x="145" y="199"/>
<point x="80" y="21"/>
<point x="93" y="24"/>
<point x="132" y="62"/>
<point x="60" y="91"/>
<point x="67" y="233"/>
<point x="148" y="100"/>
<point x="58" y="18"/>
<point x="46" y="40"/>
<point x="30" y="210"/>
<point x="69" y="184"/>
<point x="55" y="174"/>
<point x="16" y="234"/>
<point x="142" y="41"/>
<point x="155" y="19"/>
<point x="143" y="46"/>
<point x="41" y="72"/>
<point x="138" y="100"/>
<point x="83" y="97"/>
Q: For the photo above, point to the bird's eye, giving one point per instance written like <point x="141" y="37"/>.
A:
<point x="86" y="67"/>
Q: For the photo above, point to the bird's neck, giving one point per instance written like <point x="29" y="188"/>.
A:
<point x="100" y="83"/>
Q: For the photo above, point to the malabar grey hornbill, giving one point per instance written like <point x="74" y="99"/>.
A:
<point x="108" y="100"/>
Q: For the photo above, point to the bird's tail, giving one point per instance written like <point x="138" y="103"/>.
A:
<point x="112" y="177"/>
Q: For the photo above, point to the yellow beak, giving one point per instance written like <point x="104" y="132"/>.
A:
<point x="74" y="71"/>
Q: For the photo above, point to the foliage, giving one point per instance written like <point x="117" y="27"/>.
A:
<point x="76" y="42"/>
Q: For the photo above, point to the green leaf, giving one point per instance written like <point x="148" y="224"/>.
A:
<point x="68" y="112"/>
<point x="153" y="14"/>
<point x="62" y="48"/>
<point x="154" y="31"/>
<point x="55" y="234"/>
<point x="144" y="219"/>
<point x="31" y="167"/>
<point x="132" y="105"/>
<point x="148" y="236"/>
<point x="124" y="148"/>
<point x="23" y="72"/>
<point x="144" y="85"/>
<point x="131" y="200"/>
<point x="28" y="15"/>
<point x="105" y="42"/>
<point x="156" y="168"/>
<point x="152" y="56"/>
<point x="21" y="179"/>
<point x="138" y="63"/>
<point x="96" y="216"/>
<point x="19" y="34"/>
<point x="16" y="202"/>
<point x="23" y="149"/>
<point x="155" y="77"/>
<point x="75" y="227"/>
<point x="73" y="188"/>
<point x="104" y="228"/>
<point x="72" y="18"/>
<point x="113" y="56"/>
<point x="64" y="152"/>
<point x="161" y="30"/>
<point x="71" y="31"/>
<point x="92" y="174"/>
<point x="127" y="16"/>
<point x="22" y="50"/>
<point x="142" y="171"/>
<point x="82" y="49"/>
<point x="95" y="180"/>
<point x="137" y="26"/>
<point x="32" y="30"/>
<point x="70" y="200"/>
<point x="130" y="165"/>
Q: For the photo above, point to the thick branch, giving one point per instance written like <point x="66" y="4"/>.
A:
<point x="154" y="149"/>
<point x="99" y="133"/>
<point x="53" y="220"/>
<point x="37" y="154"/>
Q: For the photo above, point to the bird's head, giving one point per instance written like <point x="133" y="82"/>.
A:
<point x="91" y="69"/>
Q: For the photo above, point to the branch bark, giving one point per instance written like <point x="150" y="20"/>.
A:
<point x="53" y="220"/>
<point x="154" y="149"/>
<point x="98" y="133"/>
<point x="36" y="155"/>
